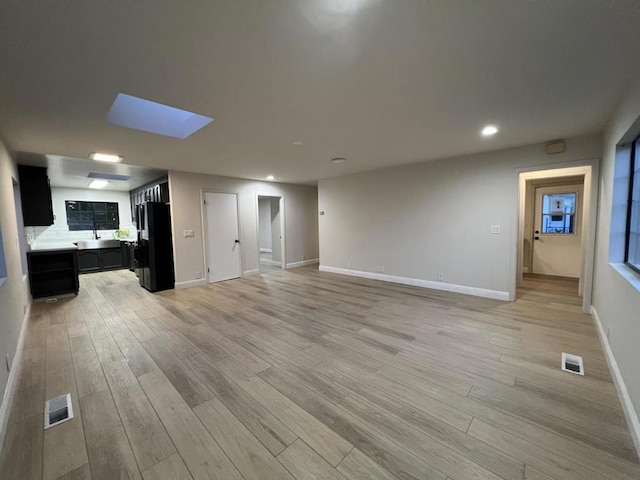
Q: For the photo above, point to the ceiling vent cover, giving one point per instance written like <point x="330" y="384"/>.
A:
<point x="57" y="410"/>
<point x="109" y="176"/>
<point x="572" y="363"/>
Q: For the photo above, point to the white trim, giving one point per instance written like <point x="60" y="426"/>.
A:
<point x="302" y="263"/>
<point x="251" y="273"/>
<point x="266" y="261"/>
<point x="13" y="377"/>
<point x="191" y="283"/>
<point x="416" y="282"/>
<point x="266" y="250"/>
<point x="627" y="405"/>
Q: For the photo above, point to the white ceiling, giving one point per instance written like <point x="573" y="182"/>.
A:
<point x="74" y="172"/>
<point x="380" y="82"/>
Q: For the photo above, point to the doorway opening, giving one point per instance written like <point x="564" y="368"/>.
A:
<point x="271" y="246"/>
<point x="555" y="247"/>
<point x="222" y="236"/>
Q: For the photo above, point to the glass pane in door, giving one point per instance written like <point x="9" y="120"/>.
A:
<point x="558" y="213"/>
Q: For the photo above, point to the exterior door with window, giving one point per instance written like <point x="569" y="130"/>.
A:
<point x="557" y="238"/>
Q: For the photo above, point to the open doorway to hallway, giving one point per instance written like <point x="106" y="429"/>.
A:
<point x="271" y="231"/>
<point x="554" y="229"/>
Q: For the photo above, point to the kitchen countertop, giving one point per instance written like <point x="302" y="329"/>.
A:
<point x="65" y="245"/>
<point x="50" y="247"/>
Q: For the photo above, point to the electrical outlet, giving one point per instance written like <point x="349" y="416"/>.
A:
<point x="348" y="264"/>
<point x="198" y="275"/>
<point x="302" y="257"/>
<point x="440" y="277"/>
<point x="381" y="268"/>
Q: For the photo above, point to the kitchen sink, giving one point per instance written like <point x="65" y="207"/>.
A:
<point x="94" y="244"/>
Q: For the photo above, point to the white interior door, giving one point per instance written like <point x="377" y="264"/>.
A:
<point x="557" y="238"/>
<point x="223" y="242"/>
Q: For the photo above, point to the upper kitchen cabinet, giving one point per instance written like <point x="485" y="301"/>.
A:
<point x="157" y="191"/>
<point x="35" y="192"/>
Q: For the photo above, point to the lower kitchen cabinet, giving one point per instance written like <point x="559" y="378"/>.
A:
<point x="88" y="260"/>
<point x="52" y="273"/>
<point x="97" y="260"/>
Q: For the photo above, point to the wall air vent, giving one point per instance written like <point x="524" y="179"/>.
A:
<point x="572" y="363"/>
<point x="57" y="410"/>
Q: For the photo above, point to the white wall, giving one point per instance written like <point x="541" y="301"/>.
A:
<point x="14" y="291"/>
<point x="264" y="206"/>
<point x="420" y="220"/>
<point x="300" y="210"/>
<point x="59" y="231"/>
<point x="616" y="299"/>
<point x="276" y="242"/>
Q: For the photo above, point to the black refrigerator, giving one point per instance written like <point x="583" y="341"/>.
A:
<point x="154" y="253"/>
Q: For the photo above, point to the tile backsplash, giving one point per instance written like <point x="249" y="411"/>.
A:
<point x="61" y="233"/>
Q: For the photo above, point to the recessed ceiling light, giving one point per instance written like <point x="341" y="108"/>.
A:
<point x="271" y="177"/>
<point x="489" y="130"/>
<point x="338" y="160"/>
<point x="98" y="184"/>
<point x="105" y="157"/>
<point x="297" y="143"/>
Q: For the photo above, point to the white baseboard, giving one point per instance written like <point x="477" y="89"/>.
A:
<point x="266" y="250"/>
<point x="270" y="262"/>
<point x="191" y="283"/>
<point x="13" y="378"/>
<point x="627" y="405"/>
<point x="302" y="263"/>
<point x="416" y="282"/>
<point x="251" y="273"/>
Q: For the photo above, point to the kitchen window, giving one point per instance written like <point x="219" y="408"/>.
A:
<point x="92" y="215"/>
<point x="632" y="235"/>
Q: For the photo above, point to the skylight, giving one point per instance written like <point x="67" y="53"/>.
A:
<point x="140" y="114"/>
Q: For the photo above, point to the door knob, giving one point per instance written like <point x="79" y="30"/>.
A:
<point x="237" y="241"/>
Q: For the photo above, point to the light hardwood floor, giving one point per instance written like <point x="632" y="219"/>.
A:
<point x="306" y="375"/>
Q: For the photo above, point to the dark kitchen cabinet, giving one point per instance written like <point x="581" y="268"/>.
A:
<point x="128" y="249"/>
<point x="97" y="260"/>
<point x="88" y="260"/>
<point x="112" y="258"/>
<point x="52" y="273"/>
<point x="157" y="191"/>
<point x="35" y="193"/>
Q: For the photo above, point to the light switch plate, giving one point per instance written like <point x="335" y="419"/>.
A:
<point x="188" y="234"/>
<point x="495" y="229"/>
